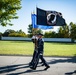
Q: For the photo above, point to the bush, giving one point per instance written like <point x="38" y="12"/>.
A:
<point x="17" y="35"/>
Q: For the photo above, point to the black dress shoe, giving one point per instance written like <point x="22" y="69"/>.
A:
<point x="47" y="67"/>
<point x="30" y="64"/>
<point x="33" y="68"/>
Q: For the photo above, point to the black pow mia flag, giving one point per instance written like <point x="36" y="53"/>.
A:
<point x="50" y="18"/>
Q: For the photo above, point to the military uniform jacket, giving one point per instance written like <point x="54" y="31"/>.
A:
<point x="40" y="45"/>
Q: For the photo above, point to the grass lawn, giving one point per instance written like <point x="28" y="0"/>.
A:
<point x="26" y="48"/>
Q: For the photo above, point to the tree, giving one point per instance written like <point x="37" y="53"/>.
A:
<point x="50" y="34"/>
<point x="63" y="32"/>
<point x="8" y="9"/>
<point x="17" y="35"/>
<point x="7" y="32"/>
<point x="47" y="34"/>
<point x="66" y="31"/>
<point x="20" y="33"/>
<point x="53" y="34"/>
<point x="72" y="31"/>
<point x="60" y="33"/>
<point x="13" y="33"/>
<point x="32" y="30"/>
<point x="0" y="35"/>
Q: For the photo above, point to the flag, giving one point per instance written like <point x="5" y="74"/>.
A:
<point x="34" y="23"/>
<point x="50" y="18"/>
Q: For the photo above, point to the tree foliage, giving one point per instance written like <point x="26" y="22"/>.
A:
<point x="33" y="31"/>
<point x="13" y="33"/>
<point x="0" y="33"/>
<point x="68" y="31"/>
<point x="47" y="34"/>
<point x="63" y="32"/>
<point x="73" y="30"/>
<point x="30" y="28"/>
<point x="8" y="11"/>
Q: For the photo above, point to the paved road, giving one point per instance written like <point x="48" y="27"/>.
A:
<point x="18" y="65"/>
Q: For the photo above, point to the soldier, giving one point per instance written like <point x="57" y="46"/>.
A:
<point x="34" y="40"/>
<point x="41" y="50"/>
<point x="39" y="54"/>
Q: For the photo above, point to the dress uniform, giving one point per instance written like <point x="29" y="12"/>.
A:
<point x="39" y="54"/>
<point x="41" y="50"/>
<point x="34" y="40"/>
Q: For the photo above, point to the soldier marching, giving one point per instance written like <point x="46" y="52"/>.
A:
<point x="38" y="52"/>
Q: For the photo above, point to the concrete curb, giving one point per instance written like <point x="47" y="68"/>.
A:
<point x="31" y="55"/>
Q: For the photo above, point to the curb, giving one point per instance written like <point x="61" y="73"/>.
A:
<point x="31" y="56"/>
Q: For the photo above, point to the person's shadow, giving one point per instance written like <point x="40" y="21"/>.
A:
<point x="9" y="69"/>
<point x="27" y="71"/>
<point x="69" y="60"/>
<point x="70" y="73"/>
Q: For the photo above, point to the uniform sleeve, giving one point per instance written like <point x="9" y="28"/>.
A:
<point x="41" y="46"/>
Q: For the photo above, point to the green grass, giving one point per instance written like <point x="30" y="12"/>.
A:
<point x="60" y="49"/>
<point x="26" y="48"/>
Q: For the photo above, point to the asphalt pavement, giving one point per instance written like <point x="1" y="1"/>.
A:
<point x="18" y="65"/>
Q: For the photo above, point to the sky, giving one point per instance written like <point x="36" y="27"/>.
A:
<point x="66" y="7"/>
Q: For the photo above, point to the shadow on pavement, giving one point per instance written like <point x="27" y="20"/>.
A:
<point x="11" y="68"/>
<point x="70" y="73"/>
<point x="27" y="71"/>
<point x="69" y="60"/>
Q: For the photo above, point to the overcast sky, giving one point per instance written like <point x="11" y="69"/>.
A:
<point x="66" y="7"/>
